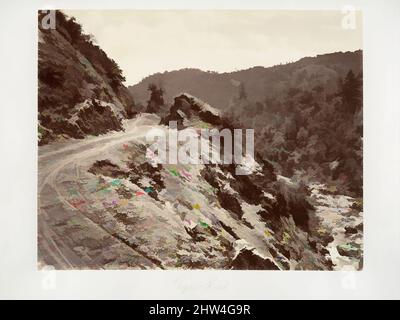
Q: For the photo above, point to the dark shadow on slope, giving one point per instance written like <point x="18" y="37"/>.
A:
<point x="248" y="260"/>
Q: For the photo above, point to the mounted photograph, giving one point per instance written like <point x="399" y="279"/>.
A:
<point x="200" y="139"/>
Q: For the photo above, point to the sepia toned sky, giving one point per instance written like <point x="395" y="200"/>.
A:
<point x="144" y="42"/>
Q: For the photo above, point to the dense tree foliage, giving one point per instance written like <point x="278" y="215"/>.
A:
<point x="156" y="98"/>
<point x="311" y="136"/>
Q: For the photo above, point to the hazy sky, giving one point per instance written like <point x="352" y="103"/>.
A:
<point x="145" y="42"/>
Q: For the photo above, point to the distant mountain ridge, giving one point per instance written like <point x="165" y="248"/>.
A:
<point x="259" y="83"/>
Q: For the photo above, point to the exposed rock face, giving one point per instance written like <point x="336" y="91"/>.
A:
<point x="126" y="212"/>
<point x="307" y="114"/>
<point x="349" y="250"/>
<point x="203" y="220"/>
<point x="287" y="201"/>
<point x="208" y="216"/>
<point x="91" y="117"/>
<point x="129" y="213"/>
<point x="248" y="260"/>
<point x="187" y="107"/>
<point x="80" y="88"/>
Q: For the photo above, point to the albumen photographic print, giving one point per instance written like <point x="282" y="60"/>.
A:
<point x="200" y="139"/>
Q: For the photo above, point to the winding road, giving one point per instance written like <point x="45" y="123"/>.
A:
<point x="55" y="249"/>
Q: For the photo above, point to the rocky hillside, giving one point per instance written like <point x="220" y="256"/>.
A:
<point x="80" y="88"/>
<point x="206" y="216"/>
<point x="307" y="115"/>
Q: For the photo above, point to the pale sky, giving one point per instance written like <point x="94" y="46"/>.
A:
<point x="144" y="42"/>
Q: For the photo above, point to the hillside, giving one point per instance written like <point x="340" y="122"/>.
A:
<point x="80" y="87"/>
<point x="259" y="83"/>
<point x="117" y="208"/>
<point x="307" y="115"/>
<point x="105" y="202"/>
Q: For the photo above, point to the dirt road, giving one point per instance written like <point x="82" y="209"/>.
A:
<point x="55" y="211"/>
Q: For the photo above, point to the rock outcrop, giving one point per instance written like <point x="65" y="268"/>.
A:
<point x="188" y="108"/>
<point x="207" y="215"/>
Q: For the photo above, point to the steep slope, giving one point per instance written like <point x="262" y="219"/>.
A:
<point x="199" y="216"/>
<point x="80" y="88"/>
<point x="311" y="135"/>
